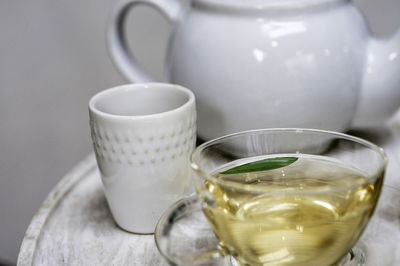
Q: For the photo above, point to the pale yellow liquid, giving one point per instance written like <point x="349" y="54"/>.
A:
<point x="308" y="213"/>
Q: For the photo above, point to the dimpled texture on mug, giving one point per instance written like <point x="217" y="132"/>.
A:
<point x="124" y="146"/>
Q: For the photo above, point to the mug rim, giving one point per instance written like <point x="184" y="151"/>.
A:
<point x="133" y="86"/>
<point x="251" y="188"/>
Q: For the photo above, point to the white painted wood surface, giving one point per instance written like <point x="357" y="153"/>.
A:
<point x="74" y="225"/>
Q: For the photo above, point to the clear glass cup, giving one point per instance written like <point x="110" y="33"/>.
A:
<point x="379" y="244"/>
<point x="293" y="197"/>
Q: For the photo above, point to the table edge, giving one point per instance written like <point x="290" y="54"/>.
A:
<point x="28" y="246"/>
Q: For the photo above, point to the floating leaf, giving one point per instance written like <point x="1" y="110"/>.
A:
<point x="262" y="165"/>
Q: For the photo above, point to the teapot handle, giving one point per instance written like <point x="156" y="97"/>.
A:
<point x="117" y="41"/>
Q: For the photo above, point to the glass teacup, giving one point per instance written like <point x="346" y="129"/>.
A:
<point x="275" y="197"/>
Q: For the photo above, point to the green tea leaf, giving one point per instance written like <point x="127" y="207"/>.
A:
<point x="262" y="165"/>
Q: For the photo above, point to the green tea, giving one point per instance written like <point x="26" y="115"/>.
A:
<point x="305" y="213"/>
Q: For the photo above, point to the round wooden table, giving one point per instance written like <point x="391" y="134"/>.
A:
<point x="74" y="225"/>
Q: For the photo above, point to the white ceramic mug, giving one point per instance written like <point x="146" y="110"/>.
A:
<point x="143" y="135"/>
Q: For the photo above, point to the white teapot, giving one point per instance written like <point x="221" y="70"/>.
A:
<point x="273" y="63"/>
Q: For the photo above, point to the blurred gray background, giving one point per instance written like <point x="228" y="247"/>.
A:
<point x="53" y="58"/>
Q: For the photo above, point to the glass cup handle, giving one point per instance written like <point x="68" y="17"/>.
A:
<point x="184" y="237"/>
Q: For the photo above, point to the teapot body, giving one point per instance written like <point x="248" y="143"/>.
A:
<point x="294" y="66"/>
